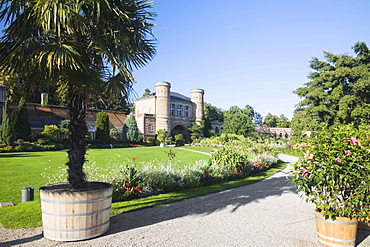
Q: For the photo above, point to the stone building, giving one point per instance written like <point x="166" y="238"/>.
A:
<point x="274" y="132"/>
<point x="168" y="110"/>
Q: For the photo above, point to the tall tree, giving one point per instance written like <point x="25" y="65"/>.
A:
<point x="102" y="127"/>
<point x="84" y="47"/>
<point x="302" y="124"/>
<point x="132" y="131"/>
<point x="213" y="113"/>
<point x="7" y="127"/>
<point x="271" y="120"/>
<point x="339" y="90"/>
<point x="256" y="117"/>
<point x="283" y="122"/>
<point x="238" y="122"/>
<point x="21" y="123"/>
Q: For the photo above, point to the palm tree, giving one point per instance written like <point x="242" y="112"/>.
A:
<point x="83" y="46"/>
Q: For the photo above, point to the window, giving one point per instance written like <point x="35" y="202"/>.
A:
<point x="172" y="110"/>
<point x="150" y="128"/>
<point x="186" y="111"/>
<point x="179" y="111"/>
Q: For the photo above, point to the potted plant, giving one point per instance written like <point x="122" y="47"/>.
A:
<point x="161" y="137"/>
<point x="86" y="49"/>
<point x="334" y="174"/>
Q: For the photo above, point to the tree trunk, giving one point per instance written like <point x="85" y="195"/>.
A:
<point x="77" y="130"/>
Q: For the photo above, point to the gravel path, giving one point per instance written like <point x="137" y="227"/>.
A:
<point x="267" y="213"/>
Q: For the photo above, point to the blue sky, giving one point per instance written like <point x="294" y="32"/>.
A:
<point x="249" y="52"/>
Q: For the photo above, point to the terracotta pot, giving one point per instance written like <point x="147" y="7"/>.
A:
<point x="341" y="232"/>
<point x="77" y="215"/>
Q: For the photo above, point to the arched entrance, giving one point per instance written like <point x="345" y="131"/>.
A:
<point x="181" y="129"/>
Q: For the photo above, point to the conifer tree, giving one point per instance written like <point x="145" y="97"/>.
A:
<point x="7" y="128"/>
<point x="338" y="91"/>
<point x="102" y="127"/>
<point x="21" y="123"/>
<point x="132" y="129"/>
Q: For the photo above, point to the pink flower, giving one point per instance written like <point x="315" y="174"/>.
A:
<point x="305" y="173"/>
<point x="307" y="155"/>
<point x="347" y="153"/>
<point x="354" y="141"/>
<point x="338" y="159"/>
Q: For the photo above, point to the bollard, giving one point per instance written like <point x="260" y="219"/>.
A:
<point x="27" y="194"/>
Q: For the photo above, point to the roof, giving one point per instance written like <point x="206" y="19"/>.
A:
<point x="173" y="96"/>
<point x="39" y="116"/>
<point x="178" y="96"/>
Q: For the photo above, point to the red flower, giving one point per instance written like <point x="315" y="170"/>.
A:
<point x="127" y="184"/>
<point x="137" y="189"/>
<point x="305" y="173"/>
<point x="133" y="159"/>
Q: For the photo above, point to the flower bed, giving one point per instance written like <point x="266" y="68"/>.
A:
<point x="162" y="176"/>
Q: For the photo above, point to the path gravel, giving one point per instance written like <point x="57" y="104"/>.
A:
<point x="267" y="213"/>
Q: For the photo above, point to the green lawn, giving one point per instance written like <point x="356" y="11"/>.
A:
<point x="202" y="149"/>
<point x="24" y="169"/>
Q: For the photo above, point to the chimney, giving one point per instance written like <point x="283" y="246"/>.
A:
<point x="44" y="99"/>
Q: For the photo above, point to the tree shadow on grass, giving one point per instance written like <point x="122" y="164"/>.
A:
<point x="203" y="205"/>
<point x="18" y="155"/>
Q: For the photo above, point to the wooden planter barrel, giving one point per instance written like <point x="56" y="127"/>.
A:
<point x="341" y="232"/>
<point x="77" y="215"/>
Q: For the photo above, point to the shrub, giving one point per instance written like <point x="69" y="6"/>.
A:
<point x="179" y="140"/>
<point x="64" y="128"/>
<point x="140" y="138"/>
<point x="102" y="128"/>
<point x="114" y="134"/>
<point x="230" y="159"/>
<point x="43" y="141"/>
<point x="161" y="178"/>
<point x="51" y="131"/>
<point x="334" y="172"/>
<point x="150" y="140"/>
<point x="161" y="135"/>
<point x="193" y="175"/>
<point x="26" y="146"/>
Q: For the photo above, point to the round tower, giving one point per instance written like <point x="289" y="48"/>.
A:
<point x="162" y="106"/>
<point x="197" y="97"/>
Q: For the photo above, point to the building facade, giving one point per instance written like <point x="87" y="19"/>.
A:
<point x="168" y="110"/>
